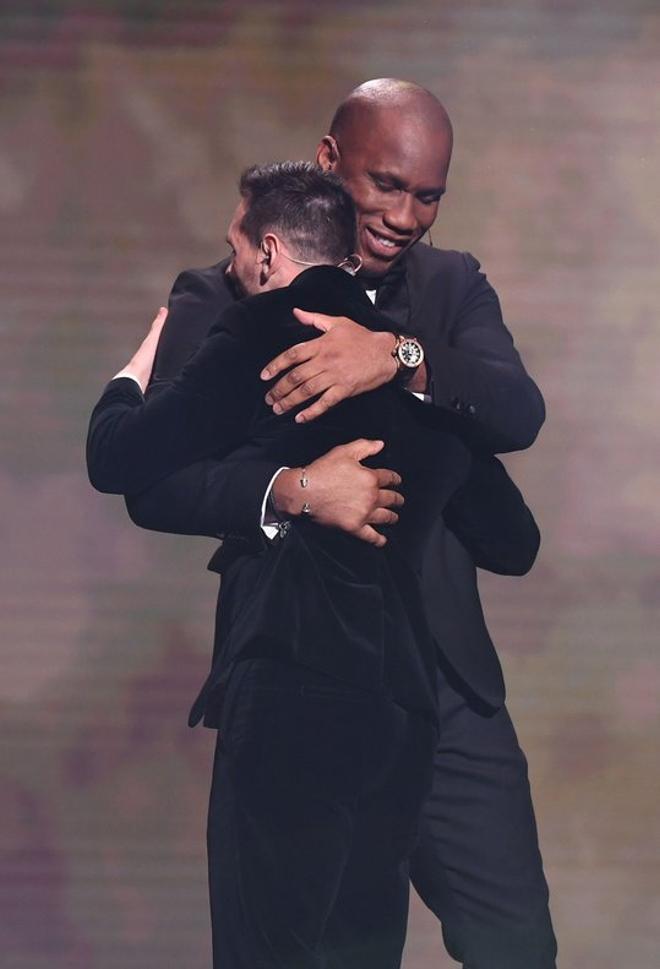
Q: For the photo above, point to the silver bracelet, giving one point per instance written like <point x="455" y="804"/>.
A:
<point x="304" y="482"/>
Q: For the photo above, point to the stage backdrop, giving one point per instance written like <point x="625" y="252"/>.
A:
<point x="123" y="127"/>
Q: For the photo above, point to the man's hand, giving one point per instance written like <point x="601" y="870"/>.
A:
<point x="141" y="363"/>
<point x="342" y="493"/>
<point x="346" y="361"/>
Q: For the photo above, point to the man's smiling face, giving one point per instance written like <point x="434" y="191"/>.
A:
<point x="396" y="170"/>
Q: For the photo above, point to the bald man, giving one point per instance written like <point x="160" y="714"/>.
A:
<point x="477" y="864"/>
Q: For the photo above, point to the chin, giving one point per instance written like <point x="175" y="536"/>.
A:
<point x="379" y="267"/>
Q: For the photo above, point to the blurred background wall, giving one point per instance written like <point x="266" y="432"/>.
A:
<point x="123" y="126"/>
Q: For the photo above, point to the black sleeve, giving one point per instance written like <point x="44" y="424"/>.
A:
<point x="491" y="520"/>
<point x="216" y="496"/>
<point x="133" y="442"/>
<point x="479" y="376"/>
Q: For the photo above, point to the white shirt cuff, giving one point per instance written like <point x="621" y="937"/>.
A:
<point x="269" y="524"/>
<point x="131" y="376"/>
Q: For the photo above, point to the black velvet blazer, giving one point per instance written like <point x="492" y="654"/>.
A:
<point x="444" y="298"/>
<point x="318" y="597"/>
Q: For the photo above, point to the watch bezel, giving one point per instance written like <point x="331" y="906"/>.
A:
<point x="402" y="340"/>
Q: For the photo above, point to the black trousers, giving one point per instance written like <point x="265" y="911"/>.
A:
<point x="317" y="789"/>
<point x="477" y="864"/>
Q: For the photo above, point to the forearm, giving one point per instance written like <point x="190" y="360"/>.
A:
<point x="477" y="375"/>
<point x="133" y="443"/>
<point x="491" y="520"/>
<point x="215" y="498"/>
<point x="493" y="405"/>
<point x="128" y="449"/>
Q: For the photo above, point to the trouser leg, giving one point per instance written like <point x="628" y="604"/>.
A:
<point x="297" y="755"/>
<point x="477" y="864"/>
<point x="286" y="774"/>
<point x="367" y="927"/>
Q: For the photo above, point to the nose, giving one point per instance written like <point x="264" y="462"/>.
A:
<point x="400" y="216"/>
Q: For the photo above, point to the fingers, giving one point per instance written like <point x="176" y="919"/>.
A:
<point x="141" y="363"/>
<point x="299" y="378"/>
<point x="390" y="499"/>
<point x="332" y="397"/>
<point x="298" y="353"/>
<point x="309" y="388"/>
<point x="370" y="535"/>
<point x="383" y="516"/>
<point x="159" y="319"/>
<point x="362" y="448"/>
<point x="318" y="320"/>
<point x="386" y="478"/>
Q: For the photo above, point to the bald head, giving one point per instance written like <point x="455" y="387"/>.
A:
<point x="396" y="102"/>
<point x="391" y="142"/>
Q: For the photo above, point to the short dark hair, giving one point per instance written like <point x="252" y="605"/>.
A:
<point x="310" y="208"/>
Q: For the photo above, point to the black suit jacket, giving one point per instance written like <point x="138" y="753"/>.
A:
<point x="478" y="383"/>
<point x="318" y="596"/>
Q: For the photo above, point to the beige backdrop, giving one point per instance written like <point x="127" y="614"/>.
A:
<point x="123" y="126"/>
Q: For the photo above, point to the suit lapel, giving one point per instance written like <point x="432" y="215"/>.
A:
<point x="393" y="297"/>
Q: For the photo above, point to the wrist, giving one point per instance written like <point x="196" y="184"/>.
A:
<point x="412" y="372"/>
<point x="418" y="380"/>
<point x="386" y="342"/>
<point x="286" y="494"/>
<point x="133" y="373"/>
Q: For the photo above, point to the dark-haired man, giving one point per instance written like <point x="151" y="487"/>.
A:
<point x="477" y="864"/>
<point x="324" y="662"/>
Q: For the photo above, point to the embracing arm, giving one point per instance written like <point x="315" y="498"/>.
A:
<point x="218" y="497"/>
<point x="491" y="520"/>
<point x="479" y="375"/>
<point x="214" y="496"/>
<point x="472" y="371"/>
<point x="133" y="442"/>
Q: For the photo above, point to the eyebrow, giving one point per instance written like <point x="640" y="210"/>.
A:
<point x="398" y="182"/>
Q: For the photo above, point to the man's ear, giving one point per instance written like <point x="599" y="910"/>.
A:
<point x="327" y="154"/>
<point x="268" y="253"/>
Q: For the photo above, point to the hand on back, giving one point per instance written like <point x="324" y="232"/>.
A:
<point x="347" y="360"/>
<point x="142" y="362"/>
<point x="342" y="492"/>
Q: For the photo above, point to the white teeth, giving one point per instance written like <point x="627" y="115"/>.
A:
<point x="383" y="241"/>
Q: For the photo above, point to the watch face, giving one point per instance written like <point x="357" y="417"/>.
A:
<point x="410" y="353"/>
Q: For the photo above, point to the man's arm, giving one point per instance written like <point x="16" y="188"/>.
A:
<point x="473" y="372"/>
<point x="215" y="497"/>
<point x="478" y="374"/>
<point x="133" y="442"/>
<point x="218" y="497"/>
<point x="491" y="520"/>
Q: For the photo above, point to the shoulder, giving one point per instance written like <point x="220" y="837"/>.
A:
<point x="443" y="281"/>
<point x="255" y="319"/>
<point x="279" y="301"/>
<point x="429" y="261"/>
<point x="208" y="284"/>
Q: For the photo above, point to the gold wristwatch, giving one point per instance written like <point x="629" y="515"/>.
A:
<point x="408" y="353"/>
